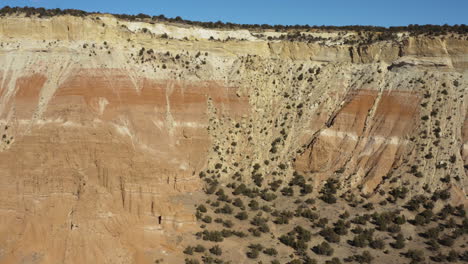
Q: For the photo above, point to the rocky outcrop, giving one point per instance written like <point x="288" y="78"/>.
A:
<point x="106" y="124"/>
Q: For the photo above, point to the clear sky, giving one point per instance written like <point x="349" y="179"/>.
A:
<point x="287" y="12"/>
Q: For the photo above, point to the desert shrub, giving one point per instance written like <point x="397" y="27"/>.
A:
<point x="363" y="238"/>
<point x="433" y="245"/>
<point x="287" y="239"/>
<point x="199" y="248"/>
<point x="270" y="252"/>
<point x="377" y="244"/>
<point x="263" y="228"/>
<point x="453" y="256"/>
<point x="226" y="233"/>
<point x="432" y="233"/>
<point x="413" y="204"/>
<point x="328" y="198"/>
<point x="330" y="235"/>
<point x="365" y="257"/>
<point x="307" y="260"/>
<point x="460" y="211"/>
<point x="211" y="188"/>
<point x="268" y="196"/>
<point x="216" y="250"/>
<point x="306" y="189"/>
<point x="368" y="206"/>
<point x="228" y="223"/>
<point x="302" y="234"/>
<point x="323" y="249"/>
<point x="254" y="251"/>
<point x="341" y="227"/>
<point x="333" y="261"/>
<point x="257" y="221"/>
<point x="287" y="191"/>
<point x="415" y="255"/>
<point x="423" y="218"/>
<point x="446" y="211"/>
<point x="399" y="193"/>
<point x="241" y="189"/>
<point x="282" y="217"/>
<point x="242" y="216"/>
<point x="344" y="215"/>
<point x="275" y="185"/>
<point x="207" y="219"/>
<point x="188" y="250"/>
<point x="238" y="203"/>
<point x="360" y="219"/>
<point x="442" y="194"/>
<point x="226" y="209"/>
<point x="297" y="238"/>
<point x="309" y="214"/>
<point x="202" y="208"/>
<point x="239" y="234"/>
<point x="360" y="241"/>
<point x="191" y="261"/>
<point x="253" y="205"/>
<point x="297" y="179"/>
<point x="399" y="220"/>
<point x="222" y="196"/>
<point x="464" y="256"/>
<point x="446" y="241"/>
<point x="214" y="236"/>
<point x="322" y="222"/>
<point x="329" y="190"/>
<point x="399" y="242"/>
<point x="393" y="228"/>
<point x="383" y="220"/>
<point x="257" y="179"/>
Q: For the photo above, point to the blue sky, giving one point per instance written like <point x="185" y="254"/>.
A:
<point x="288" y="12"/>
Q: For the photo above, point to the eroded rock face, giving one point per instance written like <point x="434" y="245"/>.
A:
<point x="105" y="127"/>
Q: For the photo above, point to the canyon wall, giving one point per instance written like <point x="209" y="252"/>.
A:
<point x="106" y="125"/>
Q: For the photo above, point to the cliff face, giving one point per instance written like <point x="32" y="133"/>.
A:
<point x="106" y="125"/>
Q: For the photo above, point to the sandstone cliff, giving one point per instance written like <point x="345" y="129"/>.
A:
<point x="106" y="125"/>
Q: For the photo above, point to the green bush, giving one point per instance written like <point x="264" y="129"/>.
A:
<point x="377" y="244"/>
<point x="287" y="191"/>
<point x="415" y="255"/>
<point x="333" y="261"/>
<point x="268" y="196"/>
<point x="214" y="236"/>
<point x="238" y="202"/>
<point x="446" y="241"/>
<point x="323" y="249"/>
<point x="202" y="208"/>
<point x="228" y="223"/>
<point x="188" y="250"/>
<point x="199" y="248"/>
<point x="330" y="235"/>
<point x="365" y="257"/>
<point x="226" y="209"/>
<point x="207" y="219"/>
<point x="216" y="250"/>
<point x="399" y="242"/>
<point x="242" y="216"/>
<point x="254" y="251"/>
<point x="191" y="261"/>
<point x="341" y="227"/>
<point x="253" y="205"/>
<point x="270" y="252"/>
